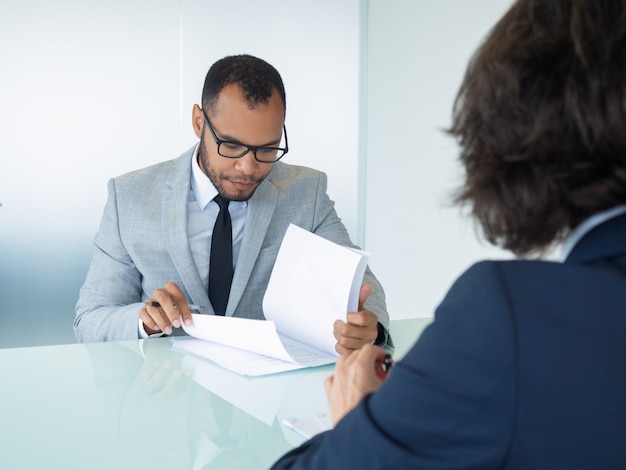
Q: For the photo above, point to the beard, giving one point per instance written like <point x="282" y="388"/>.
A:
<point x="219" y="179"/>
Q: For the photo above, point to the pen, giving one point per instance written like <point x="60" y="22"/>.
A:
<point x="151" y="303"/>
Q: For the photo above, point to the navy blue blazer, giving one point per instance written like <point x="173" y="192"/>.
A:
<point x="523" y="367"/>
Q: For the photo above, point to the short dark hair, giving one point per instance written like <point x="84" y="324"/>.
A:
<point x="254" y="76"/>
<point x="541" y="121"/>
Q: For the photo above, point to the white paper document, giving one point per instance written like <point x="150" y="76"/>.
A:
<point x="313" y="283"/>
<point x="266" y="352"/>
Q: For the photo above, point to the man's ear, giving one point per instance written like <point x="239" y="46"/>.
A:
<point x="197" y="120"/>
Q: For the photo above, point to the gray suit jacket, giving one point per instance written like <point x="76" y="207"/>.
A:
<point x="142" y="245"/>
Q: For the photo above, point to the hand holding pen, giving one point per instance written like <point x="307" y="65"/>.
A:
<point x="356" y="374"/>
<point x="166" y="309"/>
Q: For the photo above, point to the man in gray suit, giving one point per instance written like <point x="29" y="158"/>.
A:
<point x="157" y="228"/>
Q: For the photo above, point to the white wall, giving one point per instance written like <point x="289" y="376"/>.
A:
<point x="417" y="54"/>
<point x="89" y="90"/>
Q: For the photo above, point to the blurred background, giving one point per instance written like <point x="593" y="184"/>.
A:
<point x="90" y="90"/>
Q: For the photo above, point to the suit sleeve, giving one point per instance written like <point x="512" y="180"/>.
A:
<point x="109" y="300"/>
<point x="328" y="225"/>
<point x="448" y="404"/>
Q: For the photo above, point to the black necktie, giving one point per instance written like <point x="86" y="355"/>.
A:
<point x="221" y="267"/>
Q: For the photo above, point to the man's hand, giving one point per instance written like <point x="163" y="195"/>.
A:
<point x="173" y="307"/>
<point x="356" y="375"/>
<point x="361" y="328"/>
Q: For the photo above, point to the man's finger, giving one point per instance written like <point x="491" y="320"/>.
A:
<point x="362" y="318"/>
<point x="170" y="297"/>
<point x="364" y="293"/>
<point x="157" y="320"/>
<point x="185" y="313"/>
<point x="147" y="320"/>
<point x="342" y="351"/>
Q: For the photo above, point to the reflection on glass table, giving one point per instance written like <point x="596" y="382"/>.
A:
<point x="201" y="414"/>
<point x="143" y="404"/>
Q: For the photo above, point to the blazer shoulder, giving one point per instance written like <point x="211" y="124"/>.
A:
<point x="489" y="279"/>
<point x="492" y="268"/>
<point x="284" y="175"/>
<point x="480" y="271"/>
<point x="156" y="173"/>
<point x="475" y="280"/>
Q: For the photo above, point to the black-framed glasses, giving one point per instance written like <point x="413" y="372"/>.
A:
<point x="237" y="150"/>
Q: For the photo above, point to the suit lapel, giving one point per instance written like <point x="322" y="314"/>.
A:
<point x="174" y="226"/>
<point x="260" y="210"/>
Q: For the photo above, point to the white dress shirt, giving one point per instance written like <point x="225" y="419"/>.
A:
<point x="201" y="216"/>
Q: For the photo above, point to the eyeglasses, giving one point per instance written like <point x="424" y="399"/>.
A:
<point x="236" y="150"/>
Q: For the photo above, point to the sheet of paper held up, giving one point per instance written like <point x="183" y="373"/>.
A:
<point x="314" y="282"/>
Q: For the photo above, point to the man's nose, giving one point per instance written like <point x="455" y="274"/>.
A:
<point x="248" y="163"/>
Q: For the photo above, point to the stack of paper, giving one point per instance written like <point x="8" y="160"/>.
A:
<point x="314" y="282"/>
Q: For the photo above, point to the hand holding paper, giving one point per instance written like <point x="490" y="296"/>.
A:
<point x="359" y="329"/>
<point x="313" y="284"/>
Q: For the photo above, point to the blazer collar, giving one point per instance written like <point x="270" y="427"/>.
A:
<point x="260" y="211"/>
<point x="174" y="225"/>
<point x="174" y="228"/>
<point x="606" y="240"/>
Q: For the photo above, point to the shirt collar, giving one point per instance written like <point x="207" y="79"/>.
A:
<point x="589" y="224"/>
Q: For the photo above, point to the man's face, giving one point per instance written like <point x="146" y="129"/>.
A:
<point x="237" y="178"/>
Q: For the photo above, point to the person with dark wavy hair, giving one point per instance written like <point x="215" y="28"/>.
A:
<point x="524" y="365"/>
<point x="540" y="120"/>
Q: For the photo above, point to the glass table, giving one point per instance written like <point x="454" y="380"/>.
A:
<point x="141" y="404"/>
